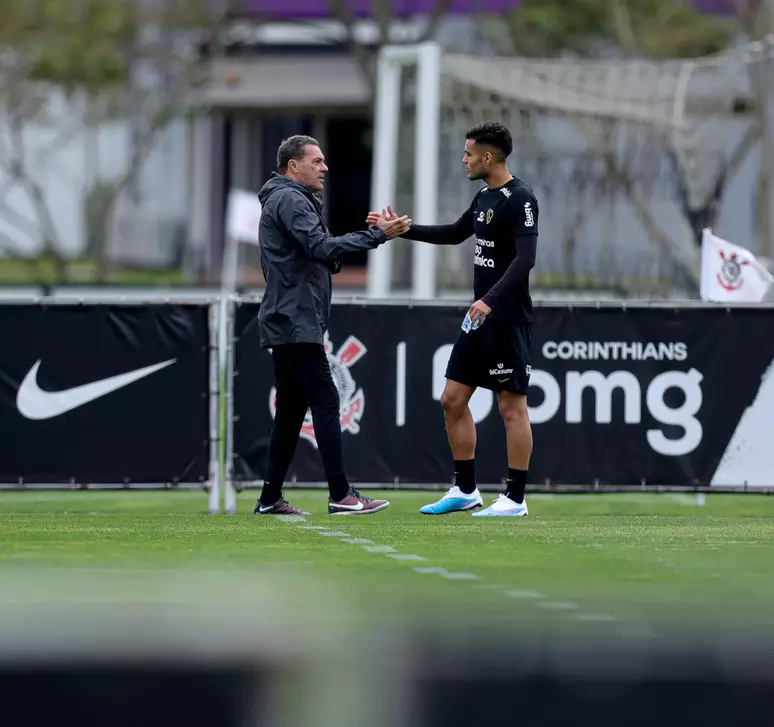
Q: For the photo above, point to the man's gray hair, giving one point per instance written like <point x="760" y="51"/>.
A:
<point x="293" y="148"/>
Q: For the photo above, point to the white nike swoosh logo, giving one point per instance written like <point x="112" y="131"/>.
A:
<point x="34" y="403"/>
<point x="359" y="506"/>
<point x="261" y="508"/>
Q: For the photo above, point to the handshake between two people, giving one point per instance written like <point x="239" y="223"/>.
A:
<point x="392" y="225"/>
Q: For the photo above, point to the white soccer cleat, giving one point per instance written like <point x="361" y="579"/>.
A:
<point x="504" y="507"/>
<point x="455" y="500"/>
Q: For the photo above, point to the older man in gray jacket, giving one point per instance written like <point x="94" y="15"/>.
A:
<point x="298" y="256"/>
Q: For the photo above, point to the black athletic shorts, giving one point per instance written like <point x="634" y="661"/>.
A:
<point x="495" y="356"/>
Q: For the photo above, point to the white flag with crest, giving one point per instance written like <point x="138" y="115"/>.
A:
<point x="731" y="273"/>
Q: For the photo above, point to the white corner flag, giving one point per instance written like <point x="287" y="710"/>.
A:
<point x="243" y="217"/>
<point x="242" y="224"/>
<point x="731" y="273"/>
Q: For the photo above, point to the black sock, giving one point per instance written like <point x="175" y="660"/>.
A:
<point x="271" y="492"/>
<point x="338" y="485"/>
<point x="517" y="483"/>
<point x="465" y="475"/>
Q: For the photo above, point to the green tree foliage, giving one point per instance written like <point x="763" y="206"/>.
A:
<point x="632" y="28"/>
<point x="113" y="60"/>
<point x="90" y="45"/>
<point x="71" y="44"/>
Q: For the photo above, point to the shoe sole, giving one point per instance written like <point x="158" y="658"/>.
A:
<point x="476" y="506"/>
<point x="370" y="511"/>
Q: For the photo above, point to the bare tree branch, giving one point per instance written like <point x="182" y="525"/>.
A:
<point x="361" y="55"/>
<point x="756" y="16"/>
<point x="20" y="173"/>
<point x="17" y="220"/>
<point x="742" y="149"/>
<point x="143" y="146"/>
<point x="382" y="10"/>
<point x="439" y="11"/>
<point x="674" y="252"/>
<point x="383" y="15"/>
<point x="623" y="28"/>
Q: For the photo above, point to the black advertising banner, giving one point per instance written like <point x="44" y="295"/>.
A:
<point x="652" y="396"/>
<point x="618" y="396"/>
<point x="104" y="393"/>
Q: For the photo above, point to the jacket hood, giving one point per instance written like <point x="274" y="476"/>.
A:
<point x="279" y="181"/>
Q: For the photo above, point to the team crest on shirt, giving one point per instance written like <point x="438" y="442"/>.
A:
<point x="351" y="398"/>
<point x="489" y="215"/>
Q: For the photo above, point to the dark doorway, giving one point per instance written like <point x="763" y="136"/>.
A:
<point x="271" y="130"/>
<point x="275" y="130"/>
<point x="348" y="153"/>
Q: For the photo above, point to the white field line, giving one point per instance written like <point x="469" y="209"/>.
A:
<point x="631" y="630"/>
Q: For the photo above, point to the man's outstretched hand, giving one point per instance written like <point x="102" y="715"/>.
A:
<point x="388" y="221"/>
<point x="373" y="217"/>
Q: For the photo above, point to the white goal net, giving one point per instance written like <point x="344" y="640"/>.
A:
<point x="627" y="158"/>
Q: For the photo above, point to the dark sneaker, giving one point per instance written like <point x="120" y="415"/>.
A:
<point x="355" y="504"/>
<point x="281" y="507"/>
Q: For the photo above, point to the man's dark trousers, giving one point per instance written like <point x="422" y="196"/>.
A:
<point x="303" y="381"/>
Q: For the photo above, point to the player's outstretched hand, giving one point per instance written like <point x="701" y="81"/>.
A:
<point x="478" y="313"/>
<point x="373" y="217"/>
<point x="393" y="225"/>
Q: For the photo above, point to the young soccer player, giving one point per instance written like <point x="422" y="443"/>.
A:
<point x="493" y="349"/>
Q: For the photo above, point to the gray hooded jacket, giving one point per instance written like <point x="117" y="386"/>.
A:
<point x="298" y="255"/>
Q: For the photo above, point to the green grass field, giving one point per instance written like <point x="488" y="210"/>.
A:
<point x="577" y="559"/>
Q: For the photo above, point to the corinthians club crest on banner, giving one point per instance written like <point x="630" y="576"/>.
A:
<point x="730" y="275"/>
<point x="352" y="399"/>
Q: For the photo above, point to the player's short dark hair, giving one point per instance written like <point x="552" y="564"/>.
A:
<point x="293" y="148"/>
<point x="494" y="134"/>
